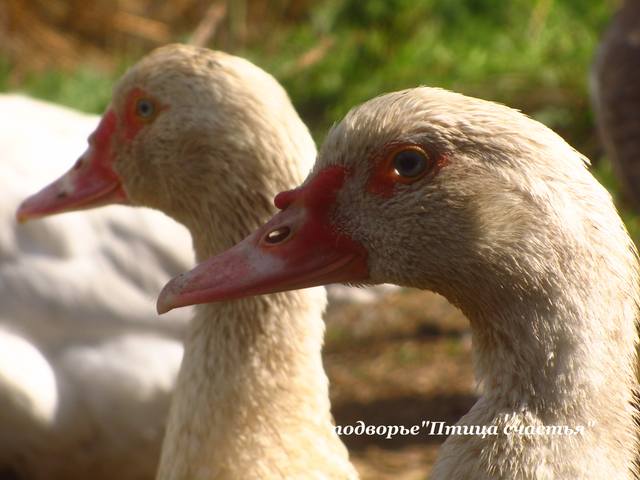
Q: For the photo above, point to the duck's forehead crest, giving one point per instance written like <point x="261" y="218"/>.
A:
<point x="175" y="70"/>
<point x="410" y="116"/>
<point x="361" y="132"/>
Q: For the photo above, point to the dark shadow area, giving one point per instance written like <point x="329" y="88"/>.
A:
<point x="432" y="331"/>
<point x="425" y="332"/>
<point x="8" y="473"/>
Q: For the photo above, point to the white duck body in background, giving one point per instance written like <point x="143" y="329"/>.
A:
<point x="431" y="189"/>
<point x="86" y="365"/>
<point x="209" y="138"/>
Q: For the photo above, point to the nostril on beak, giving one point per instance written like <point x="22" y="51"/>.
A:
<point x="277" y="235"/>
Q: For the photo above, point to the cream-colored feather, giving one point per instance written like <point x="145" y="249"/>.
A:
<point x="252" y="396"/>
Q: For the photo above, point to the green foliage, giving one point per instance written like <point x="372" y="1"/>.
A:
<point x="86" y="90"/>
<point x="533" y="55"/>
<point x="530" y="54"/>
<point x="4" y="75"/>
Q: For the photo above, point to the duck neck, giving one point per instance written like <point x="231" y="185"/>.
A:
<point x="252" y="398"/>
<point x="557" y="353"/>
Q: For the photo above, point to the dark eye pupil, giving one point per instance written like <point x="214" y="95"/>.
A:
<point x="145" y="108"/>
<point x="409" y="163"/>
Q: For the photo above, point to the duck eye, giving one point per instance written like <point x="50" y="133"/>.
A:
<point x="145" y="108"/>
<point x="410" y="163"/>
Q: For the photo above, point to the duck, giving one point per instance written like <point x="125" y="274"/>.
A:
<point x="473" y="200"/>
<point x="208" y="138"/>
<point x="614" y="76"/>
<point x="87" y="367"/>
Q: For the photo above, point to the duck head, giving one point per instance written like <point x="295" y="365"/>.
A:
<point x="423" y="188"/>
<point x="190" y="132"/>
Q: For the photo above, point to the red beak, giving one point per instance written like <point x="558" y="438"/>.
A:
<point x="91" y="182"/>
<point x="298" y="248"/>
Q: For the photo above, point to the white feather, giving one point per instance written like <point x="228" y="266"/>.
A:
<point x="86" y="365"/>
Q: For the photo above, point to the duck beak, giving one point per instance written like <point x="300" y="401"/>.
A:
<point x="91" y="182"/>
<point x="298" y="248"/>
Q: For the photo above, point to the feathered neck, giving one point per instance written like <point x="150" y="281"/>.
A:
<point x="554" y="346"/>
<point x="252" y="397"/>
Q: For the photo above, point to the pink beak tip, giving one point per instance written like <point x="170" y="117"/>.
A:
<point x="22" y="216"/>
<point x="172" y="295"/>
<point x="165" y="302"/>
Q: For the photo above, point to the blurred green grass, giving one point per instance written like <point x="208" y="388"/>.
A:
<point x="533" y="55"/>
<point x="85" y="89"/>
